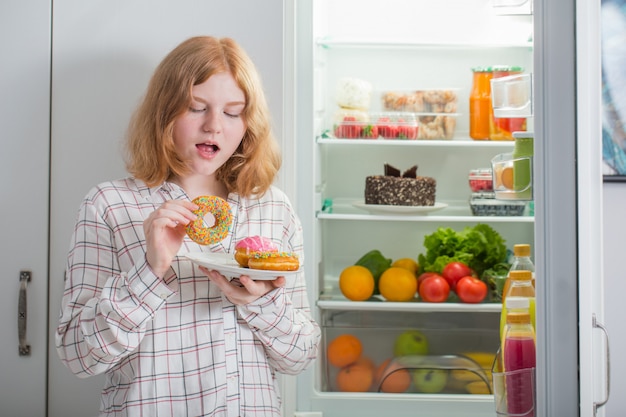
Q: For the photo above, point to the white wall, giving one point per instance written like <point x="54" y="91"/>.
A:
<point x="615" y="291"/>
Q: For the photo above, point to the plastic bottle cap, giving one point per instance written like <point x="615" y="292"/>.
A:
<point x="517" y="302"/>
<point x="522" y="135"/>
<point x="522" y="249"/>
<point x="521" y="275"/>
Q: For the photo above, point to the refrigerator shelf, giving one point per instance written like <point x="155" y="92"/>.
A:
<point x="390" y="43"/>
<point x="411" y="306"/>
<point x="454" y="211"/>
<point x="427" y="218"/>
<point x="443" y="143"/>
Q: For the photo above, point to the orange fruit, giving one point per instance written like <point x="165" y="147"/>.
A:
<point x="356" y="377"/>
<point x="407" y="263"/>
<point x="356" y="283"/>
<point x="397" y="284"/>
<point x="507" y="178"/>
<point x="392" y="378"/>
<point x="344" y="350"/>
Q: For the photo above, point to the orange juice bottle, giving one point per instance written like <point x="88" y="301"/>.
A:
<point x="480" y="107"/>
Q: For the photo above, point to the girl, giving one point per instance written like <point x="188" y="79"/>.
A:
<point x="175" y="339"/>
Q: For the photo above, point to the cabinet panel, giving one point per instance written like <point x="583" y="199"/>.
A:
<point x="24" y="164"/>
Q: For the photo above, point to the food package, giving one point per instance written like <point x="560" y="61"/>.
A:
<point x="353" y="93"/>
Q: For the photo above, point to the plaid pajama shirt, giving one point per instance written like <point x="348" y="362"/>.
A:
<point x="175" y="346"/>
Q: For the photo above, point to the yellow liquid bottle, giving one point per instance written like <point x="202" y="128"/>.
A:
<point x="521" y="260"/>
<point x="518" y="284"/>
<point x="513" y="305"/>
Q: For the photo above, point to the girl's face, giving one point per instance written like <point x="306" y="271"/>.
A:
<point x="211" y="129"/>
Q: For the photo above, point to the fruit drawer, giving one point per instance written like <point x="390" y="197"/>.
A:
<point x="418" y="359"/>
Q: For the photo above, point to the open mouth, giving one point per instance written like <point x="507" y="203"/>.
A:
<point x="207" y="148"/>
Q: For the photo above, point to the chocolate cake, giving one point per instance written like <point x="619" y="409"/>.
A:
<point x="395" y="189"/>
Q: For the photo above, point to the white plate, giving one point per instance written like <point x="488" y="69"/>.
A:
<point x="383" y="209"/>
<point x="225" y="263"/>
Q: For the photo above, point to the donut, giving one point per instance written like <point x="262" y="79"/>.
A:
<point x="245" y="247"/>
<point x="274" y="261"/>
<point x="204" y="233"/>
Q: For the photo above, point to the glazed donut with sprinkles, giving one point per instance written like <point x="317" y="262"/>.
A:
<point x="206" y="233"/>
<point x="274" y="261"/>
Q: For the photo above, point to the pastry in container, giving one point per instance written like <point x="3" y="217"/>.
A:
<point x="421" y="101"/>
<point x="435" y="110"/>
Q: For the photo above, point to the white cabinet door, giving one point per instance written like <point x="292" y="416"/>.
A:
<point x="24" y="136"/>
<point x="103" y="56"/>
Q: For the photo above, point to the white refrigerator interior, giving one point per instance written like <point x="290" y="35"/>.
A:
<point x="423" y="45"/>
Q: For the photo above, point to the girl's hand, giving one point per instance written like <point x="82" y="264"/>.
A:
<point x="165" y="230"/>
<point x="249" y="290"/>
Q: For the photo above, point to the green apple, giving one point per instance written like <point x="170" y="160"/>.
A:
<point x="430" y="381"/>
<point x="411" y="342"/>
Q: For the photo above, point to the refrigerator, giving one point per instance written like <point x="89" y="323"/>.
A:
<point x="424" y="45"/>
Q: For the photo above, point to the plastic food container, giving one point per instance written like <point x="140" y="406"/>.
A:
<point x="353" y="93"/>
<point x="512" y="96"/>
<point x="493" y="207"/>
<point x="421" y="101"/>
<point x="481" y="179"/>
<point x="483" y="194"/>
<point x="506" y="184"/>
<point x="435" y="109"/>
<point x="393" y="125"/>
<point x="375" y="125"/>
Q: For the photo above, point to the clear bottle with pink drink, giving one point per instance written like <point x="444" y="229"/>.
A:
<point x="519" y="359"/>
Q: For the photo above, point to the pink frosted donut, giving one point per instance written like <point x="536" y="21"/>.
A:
<point x="205" y="234"/>
<point x="249" y="245"/>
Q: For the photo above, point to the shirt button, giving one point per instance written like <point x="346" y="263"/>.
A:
<point x="163" y="296"/>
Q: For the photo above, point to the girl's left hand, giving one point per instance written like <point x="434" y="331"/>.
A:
<point x="249" y="290"/>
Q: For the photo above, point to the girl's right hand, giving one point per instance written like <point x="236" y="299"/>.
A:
<point x="165" y="229"/>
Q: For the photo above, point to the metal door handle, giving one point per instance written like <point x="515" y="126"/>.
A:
<point x="608" y="365"/>
<point x="22" y="314"/>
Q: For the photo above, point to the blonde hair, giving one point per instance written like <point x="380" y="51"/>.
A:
<point x="152" y="156"/>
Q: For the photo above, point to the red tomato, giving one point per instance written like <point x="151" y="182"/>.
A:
<point x="425" y="275"/>
<point x="454" y="271"/>
<point x="434" y="289"/>
<point x="471" y="290"/>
